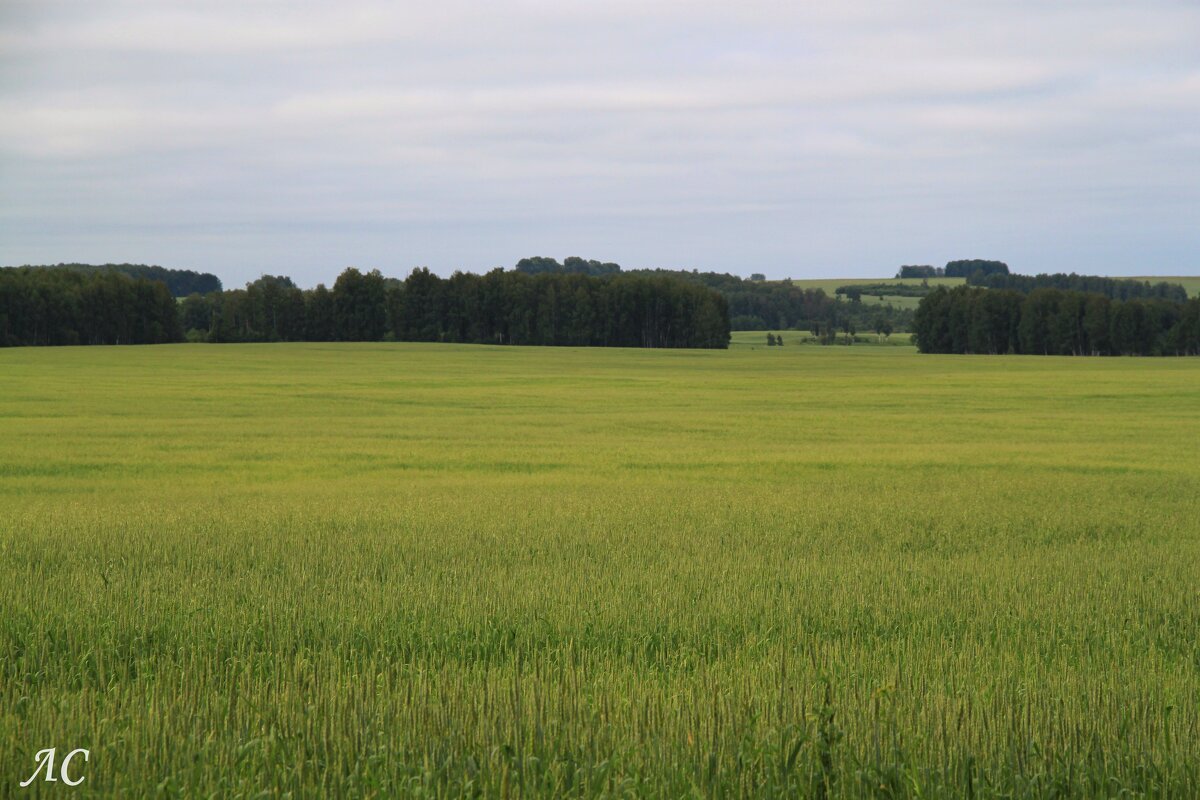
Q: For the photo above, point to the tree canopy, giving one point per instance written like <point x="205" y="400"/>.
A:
<point x="67" y="307"/>
<point x="1112" y="288"/>
<point x="968" y="319"/>
<point x="180" y="282"/>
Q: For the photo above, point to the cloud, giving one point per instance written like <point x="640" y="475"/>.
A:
<point x="781" y="137"/>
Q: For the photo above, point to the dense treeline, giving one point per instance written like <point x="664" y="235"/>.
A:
<point x="963" y="268"/>
<point x="180" y="282"/>
<point x="753" y="304"/>
<point x="781" y="305"/>
<point x="970" y="319"/>
<point x="66" y="307"/>
<point x="572" y="265"/>
<point x="99" y="306"/>
<point x="854" y="290"/>
<point x="968" y="267"/>
<point x="1112" y="288"/>
<point x="500" y="307"/>
<point x="915" y="271"/>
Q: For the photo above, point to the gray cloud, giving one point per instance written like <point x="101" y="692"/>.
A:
<point x="788" y="138"/>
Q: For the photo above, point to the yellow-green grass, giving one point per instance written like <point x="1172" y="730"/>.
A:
<point x="391" y="570"/>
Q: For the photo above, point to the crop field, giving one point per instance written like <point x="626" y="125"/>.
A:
<point x="380" y="570"/>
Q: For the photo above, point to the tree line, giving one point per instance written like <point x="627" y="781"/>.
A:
<point x="754" y="304"/>
<point x="781" y="305"/>
<point x="969" y="319"/>
<point x="858" y="290"/>
<point x="1112" y="288"/>
<point x="962" y="268"/>
<point x="552" y="309"/>
<point x="67" y="307"/>
<point x="180" y="282"/>
<point x="499" y="307"/>
<point x="571" y="265"/>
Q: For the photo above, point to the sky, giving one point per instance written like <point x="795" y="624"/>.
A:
<point x="796" y="139"/>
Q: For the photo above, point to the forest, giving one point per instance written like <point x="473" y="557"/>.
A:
<point x="99" y="306"/>
<point x="754" y="304"/>
<point x="499" y="307"/>
<point x="1112" y="288"/>
<point x="180" y="282"/>
<point x="590" y="303"/>
<point x="539" y="301"/>
<point x="781" y="305"/>
<point x="969" y="319"/>
<point x="64" y="306"/>
<point x="962" y="268"/>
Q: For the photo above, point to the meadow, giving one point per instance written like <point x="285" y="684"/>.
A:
<point x="381" y="570"/>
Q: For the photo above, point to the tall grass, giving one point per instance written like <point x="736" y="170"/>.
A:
<point x="396" y="570"/>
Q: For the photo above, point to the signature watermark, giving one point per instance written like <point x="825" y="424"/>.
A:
<point x="45" y="763"/>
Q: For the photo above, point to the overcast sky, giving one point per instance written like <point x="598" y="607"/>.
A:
<point x="800" y="139"/>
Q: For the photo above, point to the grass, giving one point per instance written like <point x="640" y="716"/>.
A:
<point x="400" y="570"/>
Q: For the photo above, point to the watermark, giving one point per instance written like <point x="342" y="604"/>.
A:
<point x="45" y="759"/>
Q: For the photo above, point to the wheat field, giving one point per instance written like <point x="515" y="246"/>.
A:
<point x="381" y="570"/>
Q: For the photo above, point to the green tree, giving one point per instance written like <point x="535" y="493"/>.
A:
<point x="360" y="306"/>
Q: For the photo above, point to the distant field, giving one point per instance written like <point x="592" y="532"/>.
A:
<point x="382" y="570"/>
<point x="1191" y="283"/>
<point x="830" y="285"/>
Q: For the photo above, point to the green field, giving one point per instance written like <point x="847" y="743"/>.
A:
<point x="830" y="287"/>
<point x="396" y="570"/>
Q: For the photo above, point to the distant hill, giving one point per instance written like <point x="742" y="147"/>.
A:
<point x="180" y="282"/>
